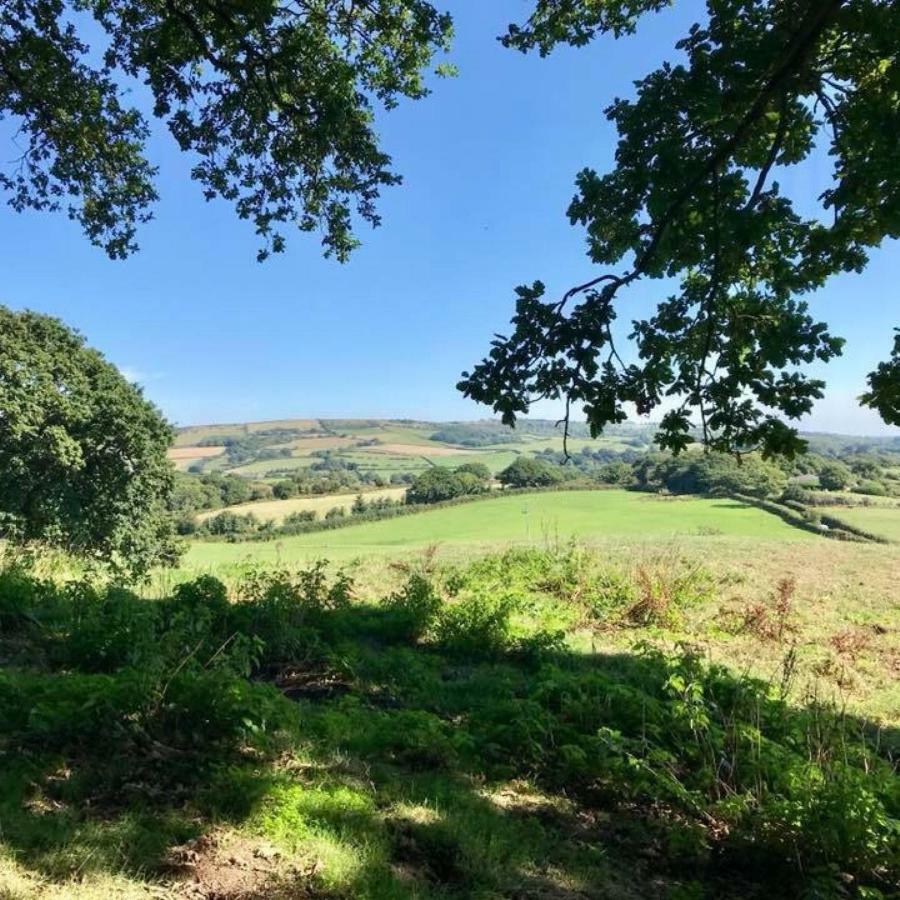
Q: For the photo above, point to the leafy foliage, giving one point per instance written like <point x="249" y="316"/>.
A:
<point x="437" y="484"/>
<point x="475" y="434"/>
<point x="693" y="196"/>
<point x="526" y="471"/>
<point x="710" y="473"/>
<point x="884" y="387"/>
<point x="835" y="476"/>
<point x="82" y="453"/>
<point x="274" y="101"/>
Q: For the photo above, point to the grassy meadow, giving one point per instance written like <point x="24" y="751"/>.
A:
<point x="531" y="518"/>
<point x="842" y="591"/>
<point x="659" y="715"/>
<point x="879" y="519"/>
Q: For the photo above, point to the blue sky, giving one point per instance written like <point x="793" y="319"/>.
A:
<point x="489" y="162"/>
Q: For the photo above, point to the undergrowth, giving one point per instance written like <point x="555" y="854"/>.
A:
<point x="384" y="736"/>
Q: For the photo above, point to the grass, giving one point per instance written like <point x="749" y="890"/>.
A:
<point x="278" y="510"/>
<point x="883" y="520"/>
<point x="495" y="728"/>
<point x="588" y="515"/>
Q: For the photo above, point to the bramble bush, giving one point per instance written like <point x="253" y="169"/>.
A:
<point x="464" y="671"/>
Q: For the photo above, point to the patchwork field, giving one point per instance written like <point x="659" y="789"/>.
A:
<point x="193" y="434"/>
<point x="386" y="447"/>
<point x="185" y="456"/>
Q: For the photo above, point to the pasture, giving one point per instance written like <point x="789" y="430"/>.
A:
<point x="521" y="519"/>
<point x="194" y="434"/>
<point x="880" y="519"/>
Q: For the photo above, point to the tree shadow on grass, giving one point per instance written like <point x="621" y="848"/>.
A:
<point x="427" y="774"/>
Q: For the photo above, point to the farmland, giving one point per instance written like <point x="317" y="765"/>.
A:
<point x="879" y="518"/>
<point x="268" y="450"/>
<point x="530" y="518"/>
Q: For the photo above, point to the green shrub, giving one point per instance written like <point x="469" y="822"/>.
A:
<point x="527" y="471"/>
<point x="476" y="624"/>
<point x="61" y="710"/>
<point x="412" y="610"/>
<point x="207" y="709"/>
<point x="108" y="629"/>
<point x="284" y="610"/>
<point x="611" y="593"/>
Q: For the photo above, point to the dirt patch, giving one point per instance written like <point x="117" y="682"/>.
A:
<point x="230" y="867"/>
<point x="305" y="445"/>
<point x="298" y="684"/>
<point x="182" y="453"/>
<point x="416" y="450"/>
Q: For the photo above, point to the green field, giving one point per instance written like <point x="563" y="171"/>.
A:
<point x="525" y="518"/>
<point x="882" y="520"/>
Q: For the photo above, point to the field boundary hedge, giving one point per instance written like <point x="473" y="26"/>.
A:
<point x="799" y="517"/>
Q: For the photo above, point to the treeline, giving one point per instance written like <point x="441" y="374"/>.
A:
<point x="479" y="434"/>
<point x="812" y="477"/>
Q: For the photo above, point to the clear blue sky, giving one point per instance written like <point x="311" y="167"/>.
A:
<point x="489" y="161"/>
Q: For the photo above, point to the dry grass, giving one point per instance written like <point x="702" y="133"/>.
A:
<point x="418" y="450"/>
<point x="825" y="609"/>
<point x="278" y="510"/>
<point x="191" y="453"/>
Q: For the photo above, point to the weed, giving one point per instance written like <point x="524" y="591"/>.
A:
<point x="773" y="620"/>
<point x="413" y="610"/>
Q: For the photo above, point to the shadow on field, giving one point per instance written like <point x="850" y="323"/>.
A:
<point x="381" y="767"/>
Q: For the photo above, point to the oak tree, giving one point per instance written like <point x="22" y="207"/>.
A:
<point x="82" y="453"/>
<point x="694" y="197"/>
<point x="273" y="100"/>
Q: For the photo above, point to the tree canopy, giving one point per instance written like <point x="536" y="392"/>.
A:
<point x="273" y="100"/>
<point x="527" y="471"/>
<point x="82" y="454"/>
<point x="694" y="197"/>
<point x="438" y="484"/>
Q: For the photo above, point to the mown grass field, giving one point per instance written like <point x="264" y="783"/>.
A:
<point x="528" y="518"/>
